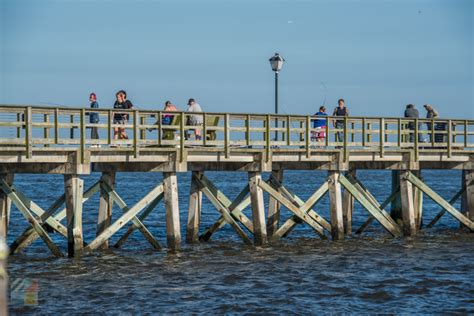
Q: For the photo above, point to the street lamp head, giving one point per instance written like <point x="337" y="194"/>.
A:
<point x="276" y="62"/>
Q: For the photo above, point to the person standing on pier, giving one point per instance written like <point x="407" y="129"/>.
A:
<point x="320" y="125"/>
<point x="411" y="112"/>
<point x="193" y="119"/>
<point x="94" y="117"/>
<point x="431" y="113"/>
<point x="340" y="110"/>
<point x="121" y="118"/>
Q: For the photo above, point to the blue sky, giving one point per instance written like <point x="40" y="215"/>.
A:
<point x="378" y="55"/>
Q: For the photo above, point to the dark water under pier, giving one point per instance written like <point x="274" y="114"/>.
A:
<point x="371" y="273"/>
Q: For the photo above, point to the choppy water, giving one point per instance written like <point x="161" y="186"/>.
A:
<point x="302" y="274"/>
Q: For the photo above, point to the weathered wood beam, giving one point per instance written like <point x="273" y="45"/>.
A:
<point x="235" y="208"/>
<point x="30" y="235"/>
<point x="290" y="206"/>
<point x="258" y="209"/>
<point x="335" y="206"/>
<point x="73" y="190"/>
<point x="4" y="288"/>
<point x="125" y="218"/>
<point x="408" y="205"/>
<point x="468" y="196"/>
<point x="348" y="208"/>
<point x="134" y="226"/>
<point x="439" y="200"/>
<point x="225" y="213"/>
<point x="105" y="206"/>
<point x="5" y="205"/>
<point x="373" y="208"/>
<point x="195" y="206"/>
<point x="384" y="204"/>
<point x="443" y="211"/>
<point x="30" y="218"/>
<point x="173" y="233"/>
<point x="135" y="220"/>
<point x="274" y="206"/>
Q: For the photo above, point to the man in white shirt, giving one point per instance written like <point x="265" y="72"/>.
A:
<point x="195" y="120"/>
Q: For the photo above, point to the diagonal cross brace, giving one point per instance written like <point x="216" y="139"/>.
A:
<point x="136" y="221"/>
<point x="26" y="212"/>
<point x="30" y="235"/>
<point x="225" y="212"/>
<point x="235" y="208"/>
<point x="373" y="208"/>
<point x="440" y="201"/>
<point x="303" y="206"/>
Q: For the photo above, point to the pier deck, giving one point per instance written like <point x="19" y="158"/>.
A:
<point x="55" y="141"/>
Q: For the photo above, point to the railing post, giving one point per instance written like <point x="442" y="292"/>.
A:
<point x="226" y="135"/>
<point x="71" y="131"/>
<point x="345" y="151"/>
<point x="56" y="126"/>
<point x="4" y="251"/>
<point x="327" y="132"/>
<point x="204" y="129"/>
<point x="247" y="130"/>
<point x="288" y="131"/>
<point x="46" y="129"/>
<point x="363" y="132"/>
<point x="109" y="127"/>
<point x="382" y="136"/>
<point x="399" y="133"/>
<point x="142" y="131"/>
<point x="465" y="133"/>
<point x="432" y="133"/>
<point x="18" y="129"/>
<point x="28" y="131"/>
<point x="160" y="131"/>
<point x="267" y="138"/>
<point x="135" y="133"/>
<point x="369" y="135"/>
<point x="181" y="138"/>
<point x="449" y="138"/>
<point x="416" y="140"/>
<point x="83" y="135"/>
<point x="308" y="137"/>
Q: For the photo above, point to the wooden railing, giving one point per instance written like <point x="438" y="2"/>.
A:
<point x="36" y="126"/>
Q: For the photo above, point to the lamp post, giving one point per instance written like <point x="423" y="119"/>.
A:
<point x="277" y="63"/>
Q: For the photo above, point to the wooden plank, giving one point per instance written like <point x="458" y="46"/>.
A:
<point x="135" y="220"/>
<point x="374" y="210"/>
<point x="468" y="196"/>
<point x="348" y="208"/>
<point x="28" y="132"/>
<point x="5" y="205"/>
<point x="173" y="234"/>
<point x="384" y="204"/>
<point x="439" y="200"/>
<point x="225" y="213"/>
<point x="195" y="205"/>
<point x="258" y="209"/>
<point x="83" y="137"/>
<point x="30" y="218"/>
<point x="141" y="218"/>
<point x="408" y="206"/>
<point x="443" y="211"/>
<point x="226" y="135"/>
<point x="335" y="205"/>
<point x="135" y="133"/>
<point x="304" y="217"/>
<point x="4" y="288"/>
<point x="125" y="218"/>
<point x="73" y="190"/>
<point x="106" y="203"/>
<point x="274" y="206"/>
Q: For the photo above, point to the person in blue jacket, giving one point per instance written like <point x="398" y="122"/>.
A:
<point x="94" y="116"/>
<point x="320" y="125"/>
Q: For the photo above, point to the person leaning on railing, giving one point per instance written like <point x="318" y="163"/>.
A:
<point x="411" y="112"/>
<point x="431" y="113"/>
<point x="193" y="119"/>
<point x="320" y="125"/>
<point x="340" y="110"/>
<point x="121" y="118"/>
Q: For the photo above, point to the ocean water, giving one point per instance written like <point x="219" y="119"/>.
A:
<point x="301" y="274"/>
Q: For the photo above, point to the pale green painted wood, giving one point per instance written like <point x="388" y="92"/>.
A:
<point x="126" y="217"/>
<point x="440" y="201"/>
<point x="25" y="211"/>
<point x="370" y="207"/>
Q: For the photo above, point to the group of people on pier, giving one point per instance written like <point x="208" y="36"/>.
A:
<point x="318" y="135"/>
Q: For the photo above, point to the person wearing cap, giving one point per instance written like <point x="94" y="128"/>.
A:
<point x="94" y="117"/>
<point x="193" y="119"/>
<point x="320" y="125"/>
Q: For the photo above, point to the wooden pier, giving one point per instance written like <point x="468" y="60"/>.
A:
<point x="49" y="140"/>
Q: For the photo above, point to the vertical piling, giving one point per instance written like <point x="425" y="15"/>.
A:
<point x="105" y="206"/>
<point x="418" y="201"/>
<point x="73" y="189"/>
<point x="194" y="214"/>
<point x="274" y="207"/>
<point x="335" y="205"/>
<point x="5" y="206"/>
<point x="258" y="209"/>
<point x="173" y="234"/>
<point x="396" y="204"/>
<point x="408" y="207"/>
<point x="468" y="195"/>
<point x="348" y="208"/>
<point x="3" y="277"/>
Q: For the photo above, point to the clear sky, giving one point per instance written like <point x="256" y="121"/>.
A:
<point x="378" y="55"/>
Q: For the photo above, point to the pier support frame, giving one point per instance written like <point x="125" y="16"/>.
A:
<point x="105" y="205"/>
<point x="173" y="233"/>
<point x="348" y="207"/>
<point x="408" y="205"/>
<point x="258" y="209"/>
<point x="335" y="205"/>
<point x="5" y="205"/>
<point x="467" y="202"/>
<point x="195" y="207"/>
<point x="274" y="206"/>
<point x="73" y="189"/>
